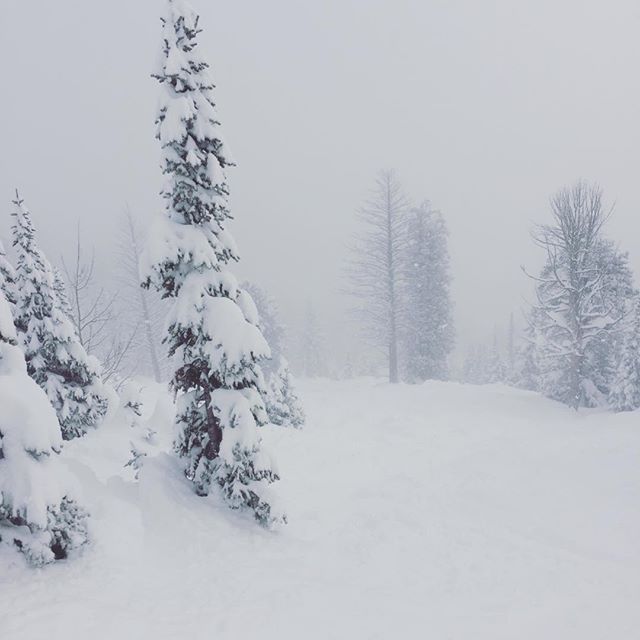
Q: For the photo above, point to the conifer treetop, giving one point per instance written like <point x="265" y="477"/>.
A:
<point x="194" y="158"/>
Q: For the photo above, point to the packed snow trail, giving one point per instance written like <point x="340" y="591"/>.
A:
<point x="439" y="511"/>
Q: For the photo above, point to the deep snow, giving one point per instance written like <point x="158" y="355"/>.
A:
<point x="434" y="511"/>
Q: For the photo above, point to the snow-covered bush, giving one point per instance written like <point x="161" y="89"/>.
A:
<point x="37" y="513"/>
<point x="212" y="327"/>
<point x="55" y="358"/>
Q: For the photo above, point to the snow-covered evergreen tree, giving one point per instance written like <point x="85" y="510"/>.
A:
<point x="427" y="334"/>
<point x="313" y="363"/>
<point x="482" y="365"/>
<point x="55" y="358"/>
<point x="37" y="511"/>
<point x="618" y="296"/>
<point x="511" y="365"/>
<point x="283" y="404"/>
<point x="212" y="327"/>
<point x="527" y="369"/>
<point x="624" y="394"/>
<point x="475" y="369"/>
<point x="281" y="401"/>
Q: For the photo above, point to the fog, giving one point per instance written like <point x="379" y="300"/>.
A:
<point x="483" y="108"/>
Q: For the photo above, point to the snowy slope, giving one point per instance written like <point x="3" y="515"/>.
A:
<point x="434" y="511"/>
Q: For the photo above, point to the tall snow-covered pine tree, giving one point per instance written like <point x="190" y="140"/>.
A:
<point x="213" y="329"/>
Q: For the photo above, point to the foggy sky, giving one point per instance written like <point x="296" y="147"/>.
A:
<point x="483" y="107"/>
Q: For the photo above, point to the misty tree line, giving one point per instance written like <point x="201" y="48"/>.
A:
<point x="580" y="343"/>
<point x="581" y="338"/>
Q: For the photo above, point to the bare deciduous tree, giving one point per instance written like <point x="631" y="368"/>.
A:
<point x="375" y="268"/>
<point x="91" y="308"/>
<point x="92" y="311"/>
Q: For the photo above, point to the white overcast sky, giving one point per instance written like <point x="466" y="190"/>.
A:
<point x="484" y="107"/>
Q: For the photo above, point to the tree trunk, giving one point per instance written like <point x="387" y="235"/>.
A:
<point x="213" y="428"/>
<point x="393" y="361"/>
<point x="149" y="334"/>
<point x="393" y="333"/>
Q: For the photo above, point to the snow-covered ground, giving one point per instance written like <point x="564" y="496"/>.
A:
<point x="435" y="511"/>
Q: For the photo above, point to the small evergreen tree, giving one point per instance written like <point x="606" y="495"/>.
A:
<point x="212" y="327"/>
<point x="143" y="439"/>
<point x="7" y="276"/>
<point x="348" y="369"/>
<point x="511" y="365"/>
<point x="495" y="365"/>
<point x="527" y="374"/>
<point x="475" y="369"/>
<point x="55" y="358"/>
<point x="283" y="404"/>
<point x="270" y="326"/>
<point x="618" y="294"/>
<point x="625" y="390"/>
<point x="37" y="513"/>
<point x="312" y="346"/>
